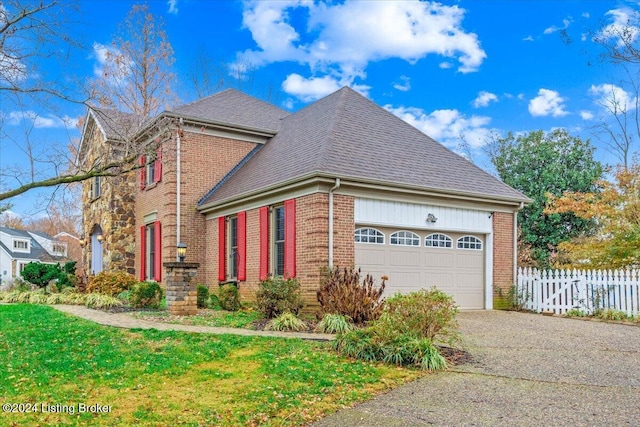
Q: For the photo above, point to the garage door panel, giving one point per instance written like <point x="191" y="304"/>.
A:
<point x="404" y="258"/>
<point x="441" y="258"/>
<point x="458" y="272"/>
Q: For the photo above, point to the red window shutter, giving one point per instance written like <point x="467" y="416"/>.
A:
<point x="242" y="246"/>
<point x="143" y="172"/>
<point x="143" y="252"/>
<point x="264" y="242"/>
<point x="157" y="253"/>
<point x="290" y="238"/>
<point x="158" y="166"/>
<point x="222" y="253"/>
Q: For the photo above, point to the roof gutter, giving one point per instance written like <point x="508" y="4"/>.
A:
<point x="331" y="190"/>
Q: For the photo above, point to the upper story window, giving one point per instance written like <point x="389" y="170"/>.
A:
<point x="151" y="168"/>
<point x="59" y="249"/>
<point x="437" y="240"/>
<point x="404" y="238"/>
<point x="369" y="235"/>
<point x="278" y="240"/>
<point x="95" y="189"/>
<point x="21" y="246"/>
<point x="469" y="242"/>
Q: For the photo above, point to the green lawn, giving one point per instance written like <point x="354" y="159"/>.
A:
<point x="172" y="378"/>
<point x="220" y="318"/>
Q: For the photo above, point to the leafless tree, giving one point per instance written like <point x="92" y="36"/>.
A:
<point x="136" y="79"/>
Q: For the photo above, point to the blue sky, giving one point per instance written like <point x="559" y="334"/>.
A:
<point x="456" y="69"/>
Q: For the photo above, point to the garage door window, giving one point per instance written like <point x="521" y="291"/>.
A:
<point x="369" y="235"/>
<point x="438" y="241"/>
<point x="470" y="242"/>
<point x="405" y="238"/>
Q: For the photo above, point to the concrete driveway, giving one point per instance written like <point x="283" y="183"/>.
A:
<point x="528" y="370"/>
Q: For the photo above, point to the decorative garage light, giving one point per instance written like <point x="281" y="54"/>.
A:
<point x="99" y="237"/>
<point x="182" y="251"/>
<point x="431" y="218"/>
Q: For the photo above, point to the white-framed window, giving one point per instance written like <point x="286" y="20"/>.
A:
<point x="404" y="238"/>
<point x="96" y="187"/>
<point x="233" y="247"/>
<point x="21" y="245"/>
<point x="151" y="171"/>
<point x="59" y="249"/>
<point x="469" y="242"/>
<point x="438" y="240"/>
<point x="369" y="235"/>
<point x="278" y="240"/>
<point x="151" y="249"/>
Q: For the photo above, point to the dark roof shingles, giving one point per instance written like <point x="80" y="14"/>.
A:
<point x="346" y="135"/>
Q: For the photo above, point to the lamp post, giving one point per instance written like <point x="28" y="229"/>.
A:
<point x="182" y="251"/>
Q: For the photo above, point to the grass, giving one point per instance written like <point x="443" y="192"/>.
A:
<point x="173" y="378"/>
<point x="219" y="318"/>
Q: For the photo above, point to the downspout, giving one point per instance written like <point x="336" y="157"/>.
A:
<point x="178" y="186"/>
<point x="335" y="187"/>
<point x="515" y="244"/>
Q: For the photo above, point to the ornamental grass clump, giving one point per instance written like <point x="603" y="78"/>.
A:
<point x="406" y="331"/>
<point x="343" y="293"/>
<point x="286" y="322"/>
<point x="333" y="323"/>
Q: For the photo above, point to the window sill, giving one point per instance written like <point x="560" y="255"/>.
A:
<point x="150" y="186"/>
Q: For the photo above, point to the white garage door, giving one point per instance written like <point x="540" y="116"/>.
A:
<point x="413" y="260"/>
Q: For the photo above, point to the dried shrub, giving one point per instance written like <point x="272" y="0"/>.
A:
<point x="278" y="295"/>
<point x="343" y="293"/>
<point x="111" y="283"/>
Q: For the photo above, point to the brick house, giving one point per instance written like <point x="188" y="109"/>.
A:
<point x="254" y="190"/>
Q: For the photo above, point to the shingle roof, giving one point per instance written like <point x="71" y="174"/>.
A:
<point x="346" y="135"/>
<point x="116" y="124"/>
<point x="36" y="250"/>
<point x="234" y="108"/>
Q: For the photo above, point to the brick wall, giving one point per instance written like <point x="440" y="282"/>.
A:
<point x="206" y="160"/>
<point x="312" y="240"/>
<point x="502" y="256"/>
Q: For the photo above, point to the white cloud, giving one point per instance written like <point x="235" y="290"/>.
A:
<point x="613" y="98"/>
<point x="309" y="89"/>
<point x="14" y="118"/>
<point x="445" y="65"/>
<point x="405" y="85"/>
<point x="313" y="88"/>
<point x="625" y="26"/>
<point x="586" y="115"/>
<point x="528" y="38"/>
<point x="484" y="98"/>
<point x="342" y="39"/>
<point x="173" y="7"/>
<point x="586" y="15"/>
<point x="547" y="103"/>
<point x="447" y="126"/>
<point x="565" y="24"/>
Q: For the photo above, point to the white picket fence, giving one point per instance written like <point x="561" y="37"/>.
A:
<point x="559" y="291"/>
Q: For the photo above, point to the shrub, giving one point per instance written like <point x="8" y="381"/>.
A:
<point x="125" y="295"/>
<point x="229" y="298"/>
<point x="332" y="323"/>
<point x="111" y="283"/>
<point x="277" y="295"/>
<point x="41" y="274"/>
<point x="399" y="349"/>
<point x="426" y="314"/>
<point x="203" y="296"/>
<point x="610" y="314"/>
<point x="576" y="312"/>
<point x="214" y="302"/>
<point x="146" y="294"/>
<point x="286" y="322"/>
<point x="342" y="293"/>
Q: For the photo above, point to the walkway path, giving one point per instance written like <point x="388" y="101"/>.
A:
<point x="123" y="320"/>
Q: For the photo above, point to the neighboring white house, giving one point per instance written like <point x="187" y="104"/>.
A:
<point x="19" y="247"/>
